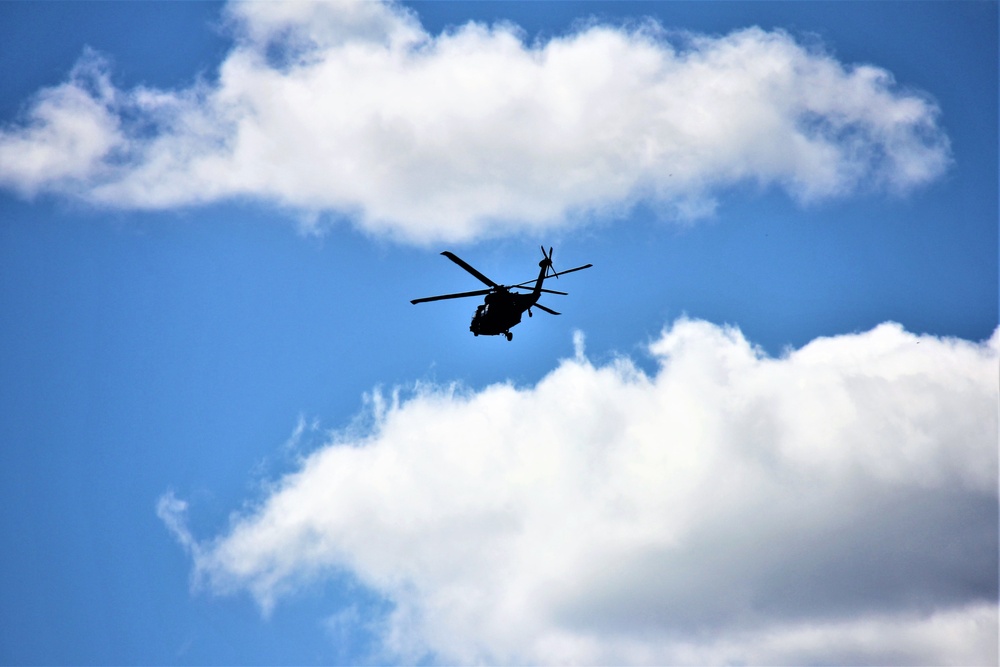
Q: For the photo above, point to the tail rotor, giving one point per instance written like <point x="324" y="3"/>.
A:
<point x="547" y="261"/>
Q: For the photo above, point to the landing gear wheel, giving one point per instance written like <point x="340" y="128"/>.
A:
<point x="509" y="335"/>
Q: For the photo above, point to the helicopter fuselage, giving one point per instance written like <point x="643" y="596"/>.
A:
<point x="501" y="311"/>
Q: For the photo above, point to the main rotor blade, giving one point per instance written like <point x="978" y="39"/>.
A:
<point x="462" y="263"/>
<point x="480" y="292"/>
<point x="579" y="268"/>
<point x="544" y="289"/>
<point x="561" y="273"/>
<point x="547" y="310"/>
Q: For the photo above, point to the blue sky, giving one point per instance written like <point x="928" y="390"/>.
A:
<point x="762" y="431"/>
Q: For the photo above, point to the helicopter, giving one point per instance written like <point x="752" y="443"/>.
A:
<point x="502" y="308"/>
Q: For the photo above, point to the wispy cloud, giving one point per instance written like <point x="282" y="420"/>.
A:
<point x="353" y="109"/>
<point x="172" y="512"/>
<point x="836" y="504"/>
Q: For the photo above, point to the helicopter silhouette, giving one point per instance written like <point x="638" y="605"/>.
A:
<point x="502" y="309"/>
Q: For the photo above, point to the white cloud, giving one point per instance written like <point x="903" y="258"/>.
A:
<point x="70" y="136"/>
<point x="835" y="505"/>
<point x="351" y="108"/>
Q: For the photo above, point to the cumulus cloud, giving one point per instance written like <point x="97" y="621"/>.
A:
<point x="836" y="505"/>
<point x="353" y="109"/>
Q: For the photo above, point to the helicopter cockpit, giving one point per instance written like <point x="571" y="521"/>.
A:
<point x="477" y="319"/>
